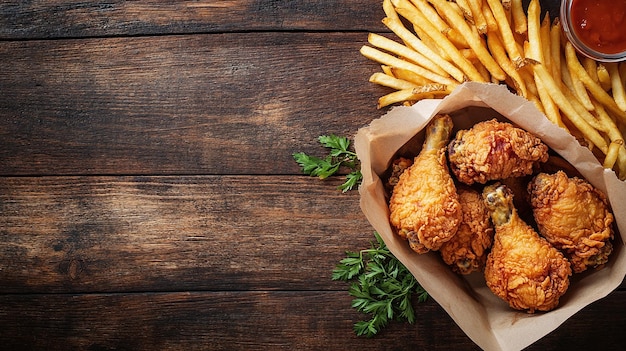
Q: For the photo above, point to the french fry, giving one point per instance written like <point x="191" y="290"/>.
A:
<point x="544" y="32"/>
<point x="387" y="59"/>
<point x="476" y="6"/>
<point x="410" y="76"/>
<point x="391" y="82"/>
<point x="555" y="49"/>
<point x="387" y="70"/>
<point x="570" y="79"/>
<point x="611" y="155"/>
<point x="394" y="47"/>
<point x="604" y="79"/>
<point x="505" y="32"/>
<point x="412" y="94"/>
<point x="499" y="54"/>
<point x="390" y="11"/>
<point x="519" y="17"/>
<point x="617" y="88"/>
<point x="473" y="40"/>
<point x="549" y="107"/>
<point x="465" y="9"/>
<point x="492" y="25"/>
<point x="535" y="47"/>
<point x="403" y="33"/>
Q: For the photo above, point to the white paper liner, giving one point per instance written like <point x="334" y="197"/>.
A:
<point x="486" y="319"/>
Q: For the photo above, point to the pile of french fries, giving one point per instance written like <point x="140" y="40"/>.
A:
<point x="443" y="43"/>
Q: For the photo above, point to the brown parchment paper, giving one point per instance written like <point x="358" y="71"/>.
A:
<point x="486" y="319"/>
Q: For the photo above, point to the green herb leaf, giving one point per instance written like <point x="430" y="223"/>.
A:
<point x="338" y="156"/>
<point x="382" y="287"/>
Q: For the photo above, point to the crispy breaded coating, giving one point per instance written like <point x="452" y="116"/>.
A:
<point x="493" y="150"/>
<point x="424" y="205"/>
<point x="574" y="217"/>
<point x="522" y="268"/>
<point x="467" y="251"/>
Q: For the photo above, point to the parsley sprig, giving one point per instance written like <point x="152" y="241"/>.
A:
<point x="382" y="287"/>
<point x="339" y="156"/>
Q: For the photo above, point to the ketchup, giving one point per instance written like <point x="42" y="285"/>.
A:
<point x="600" y="24"/>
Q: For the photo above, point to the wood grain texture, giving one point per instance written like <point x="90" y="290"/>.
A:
<point x="263" y="320"/>
<point x="201" y="104"/>
<point x="115" y="234"/>
<point x="65" y="18"/>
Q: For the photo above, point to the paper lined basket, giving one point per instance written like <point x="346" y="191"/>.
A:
<point x="486" y="319"/>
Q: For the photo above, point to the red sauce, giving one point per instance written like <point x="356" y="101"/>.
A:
<point x="600" y="24"/>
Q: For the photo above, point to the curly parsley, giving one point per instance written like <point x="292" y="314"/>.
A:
<point x="339" y="156"/>
<point x="382" y="287"/>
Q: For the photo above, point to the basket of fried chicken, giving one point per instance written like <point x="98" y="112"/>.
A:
<point x="507" y="220"/>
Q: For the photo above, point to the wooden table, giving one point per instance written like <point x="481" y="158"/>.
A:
<point x="148" y="195"/>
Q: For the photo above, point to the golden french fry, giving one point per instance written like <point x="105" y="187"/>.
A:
<point x="594" y="88"/>
<point x="611" y="155"/>
<point x="617" y="88"/>
<point x="555" y="49"/>
<point x="391" y="82"/>
<point x="535" y="47"/>
<point x="604" y="79"/>
<point x="410" y="76"/>
<point x="465" y="10"/>
<point x="387" y="59"/>
<point x="550" y="109"/>
<point x="519" y="17"/>
<point x="387" y="70"/>
<point x="400" y="50"/>
<point x="410" y="39"/>
<point x="476" y="6"/>
<point x="505" y="32"/>
<point x="570" y="79"/>
<point x="492" y="25"/>
<point x="544" y="33"/>
<point x="413" y="94"/>
<point x="389" y="10"/>
<point x="408" y="11"/>
<point x="473" y="40"/>
<point x="499" y="54"/>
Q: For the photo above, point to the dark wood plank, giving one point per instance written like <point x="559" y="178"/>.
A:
<point x="258" y="321"/>
<point x="202" y="104"/>
<point x="114" y="234"/>
<point x="65" y="18"/>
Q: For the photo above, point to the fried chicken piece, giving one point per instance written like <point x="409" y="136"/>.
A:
<point x="424" y="205"/>
<point x="574" y="217"/>
<point x="467" y="251"/>
<point x="492" y="150"/>
<point x="522" y="268"/>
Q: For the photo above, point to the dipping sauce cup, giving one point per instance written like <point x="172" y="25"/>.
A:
<point x="596" y="28"/>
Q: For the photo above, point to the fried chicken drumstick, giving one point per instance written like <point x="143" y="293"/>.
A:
<point x="493" y="150"/>
<point x="522" y="268"/>
<point x="574" y="217"/>
<point x="424" y="204"/>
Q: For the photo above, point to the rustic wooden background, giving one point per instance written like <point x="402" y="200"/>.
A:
<point x="148" y="196"/>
